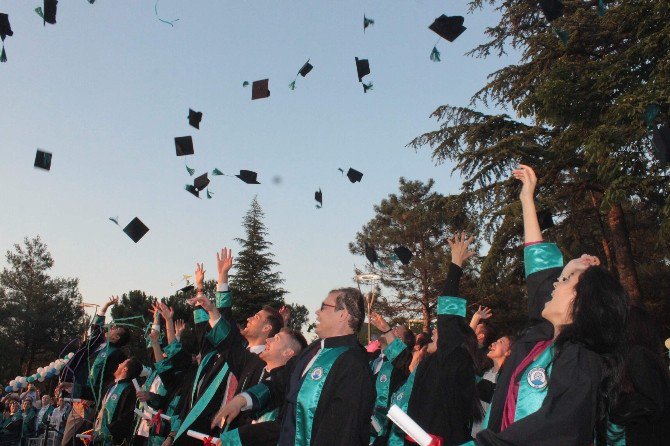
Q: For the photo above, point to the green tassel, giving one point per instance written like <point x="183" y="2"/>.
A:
<point x="435" y="55"/>
<point x="394" y="257"/>
<point x="367" y="22"/>
<point x="3" y="55"/>
<point x="341" y="170"/>
<point x="91" y="1"/>
<point x="39" y="12"/>
<point x="562" y="34"/>
<point x="209" y="194"/>
<point x="367" y="87"/>
<point x="216" y="172"/>
<point x="190" y="171"/>
<point x="115" y="220"/>
<point x="245" y="84"/>
<point x="318" y="206"/>
<point x="650" y="114"/>
<point x="601" y="8"/>
<point x="292" y="85"/>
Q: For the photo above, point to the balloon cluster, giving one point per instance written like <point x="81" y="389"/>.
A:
<point x="42" y="373"/>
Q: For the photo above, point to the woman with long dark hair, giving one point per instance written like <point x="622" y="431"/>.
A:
<point x="559" y="382"/>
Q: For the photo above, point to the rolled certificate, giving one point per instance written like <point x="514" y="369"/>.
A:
<point x="142" y="415"/>
<point x="72" y="400"/>
<point x="136" y="385"/>
<point x="409" y="426"/>
<point x="199" y="436"/>
<point x="150" y="411"/>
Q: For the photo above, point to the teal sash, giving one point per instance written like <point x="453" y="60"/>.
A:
<point x="310" y="392"/>
<point x="98" y="368"/>
<point x="203" y="363"/>
<point x="204" y="400"/>
<point x="616" y="435"/>
<point x="382" y="385"/>
<point x="108" y="412"/>
<point x="231" y="438"/>
<point x="401" y="399"/>
<point x="270" y="415"/>
<point x="533" y="385"/>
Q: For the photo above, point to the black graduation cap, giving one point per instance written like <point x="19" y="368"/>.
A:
<point x="5" y="30"/>
<point x="194" y="118"/>
<point x="184" y="145"/>
<point x="187" y="289"/>
<point x="370" y="253"/>
<point x="50" y="9"/>
<point x="191" y="188"/>
<point x="136" y="229"/>
<point x="362" y="68"/>
<point x="404" y="254"/>
<point x="305" y="69"/>
<point x="661" y="143"/>
<point x="248" y="176"/>
<point x="552" y="9"/>
<point x="201" y="182"/>
<point x="545" y="219"/>
<point x="448" y="28"/>
<point x="318" y="196"/>
<point x="354" y="175"/>
<point x="43" y="160"/>
<point x="260" y="89"/>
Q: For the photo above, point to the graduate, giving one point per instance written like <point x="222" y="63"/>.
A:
<point x="114" y="422"/>
<point x="11" y="428"/>
<point x="91" y="370"/>
<point x="327" y="393"/>
<point x="42" y="421"/>
<point x="29" y="414"/>
<point x="439" y="395"/>
<point x="555" y="386"/>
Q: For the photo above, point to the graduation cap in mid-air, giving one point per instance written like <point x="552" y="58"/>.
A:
<point x="354" y="175"/>
<point x="5" y="30"/>
<point x="404" y="254"/>
<point x="448" y="28"/>
<point x="545" y="219"/>
<point x="370" y="253"/>
<point x="552" y="9"/>
<point x="363" y="69"/>
<point x="248" y="176"/>
<point x="661" y="143"/>
<point x="194" y="118"/>
<point x="201" y="182"/>
<point x="48" y="13"/>
<point x="184" y="145"/>
<point x="43" y="160"/>
<point x="187" y="289"/>
<point x="191" y="189"/>
<point x="260" y="89"/>
<point x="136" y="229"/>
<point x="367" y="21"/>
<point x="304" y="70"/>
<point x="318" y="196"/>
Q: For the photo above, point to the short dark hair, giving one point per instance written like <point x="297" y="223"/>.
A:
<point x="408" y="338"/>
<point x="351" y="299"/>
<point x="298" y="341"/>
<point x="274" y="319"/>
<point x="134" y="368"/>
<point x="124" y="337"/>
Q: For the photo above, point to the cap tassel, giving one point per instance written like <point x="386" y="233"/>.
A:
<point x="367" y="87"/>
<point x="435" y="55"/>
<point x="216" y="172"/>
<point x="341" y="170"/>
<point x="91" y="1"/>
<point x="367" y="22"/>
<point x="245" y="84"/>
<point x="115" y="220"/>
<point x="169" y="22"/>
<point x="292" y="85"/>
<point x="209" y="194"/>
<point x="39" y="12"/>
<point x="562" y="34"/>
<point x="190" y="171"/>
<point x="3" y="55"/>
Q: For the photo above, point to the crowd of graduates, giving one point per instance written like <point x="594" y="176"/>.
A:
<point x="588" y="369"/>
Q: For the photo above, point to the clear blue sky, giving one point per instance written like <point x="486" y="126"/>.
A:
<point x="108" y="88"/>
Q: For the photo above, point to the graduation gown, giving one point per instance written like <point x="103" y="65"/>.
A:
<point x="644" y="413"/>
<point x="567" y="413"/>
<point x="343" y="406"/>
<point x="117" y="414"/>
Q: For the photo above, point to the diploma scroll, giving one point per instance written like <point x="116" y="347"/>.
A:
<point x="202" y="437"/>
<point x="409" y="426"/>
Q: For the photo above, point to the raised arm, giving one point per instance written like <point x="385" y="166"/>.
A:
<point x="168" y="315"/>
<point x="531" y="226"/>
<point x="224" y="262"/>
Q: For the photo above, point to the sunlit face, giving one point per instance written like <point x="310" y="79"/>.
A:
<point x="277" y="349"/>
<point x="500" y="349"/>
<point x="46" y="401"/>
<point x="121" y="369"/>
<point x="328" y="317"/>
<point x="114" y="334"/>
<point x="558" y="310"/>
<point x="13" y="407"/>
<point x="61" y="401"/>
<point x="256" y="324"/>
<point x="25" y="404"/>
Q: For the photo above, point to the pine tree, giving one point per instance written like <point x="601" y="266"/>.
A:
<point x="254" y="283"/>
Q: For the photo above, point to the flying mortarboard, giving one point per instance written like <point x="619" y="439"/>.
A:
<point x="5" y="30"/>
<point x="367" y="22"/>
<point x="552" y="9"/>
<point x="545" y="219"/>
<point x="362" y="68"/>
<point x="318" y="196"/>
<point x="260" y="89"/>
<point x="189" y="170"/>
<point x="216" y="172"/>
<point x="661" y="143"/>
<point x="448" y="28"/>
<point x="370" y="253"/>
<point x="304" y="70"/>
<point x="43" y="160"/>
<point x="404" y="254"/>
<point x="191" y="188"/>
<point x="354" y="175"/>
<point x="136" y="229"/>
<point x="201" y="182"/>
<point x="184" y="145"/>
<point x="187" y="289"/>
<point x="194" y="118"/>
<point x="209" y="194"/>
<point x="248" y="176"/>
<point x="48" y="14"/>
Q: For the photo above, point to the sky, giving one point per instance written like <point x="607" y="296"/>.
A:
<point x="108" y="88"/>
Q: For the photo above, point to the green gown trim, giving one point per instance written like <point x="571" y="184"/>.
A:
<point x="541" y="256"/>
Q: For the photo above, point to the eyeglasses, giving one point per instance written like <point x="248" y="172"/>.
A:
<point x="324" y="305"/>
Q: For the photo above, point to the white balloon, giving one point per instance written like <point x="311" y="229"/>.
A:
<point x="12" y="382"/>
<point x="41" y="378"/>
<point x="23" y="380"/>
<point x="40" y="369"/>
<point x="16" y="387"/>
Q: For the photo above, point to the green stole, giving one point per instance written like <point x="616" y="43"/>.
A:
<point x="401" y="399"/>
<point x="108" y="412"/>
<point x="382" y="384"/>
<point x="230" y="438"/>
<point x="97" y="369"/>
<point x="310" y="392"/>
<point x="27" y="421"/>
<point x="533" y="384"/>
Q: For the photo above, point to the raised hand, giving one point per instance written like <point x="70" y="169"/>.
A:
<point x="459" y="248"/>
<point x="155" y="310"/>
<point x="113" y="300"/>
<point x="166" y="312"/>
<point x="578" y="265"/>
<point x="285" y="313"/>
<point x="154" y="336"/>
<point x="378" y="322"/>
<point x="526" y="175"/>
<point x="224" y="261"/>
<point x="179" y="327"/>
<point x="484" y="313"/>
<point x="199" y="276"/>
<point x="202" y="301"/>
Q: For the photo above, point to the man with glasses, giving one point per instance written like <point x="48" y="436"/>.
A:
<point x="328" y="392"/>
